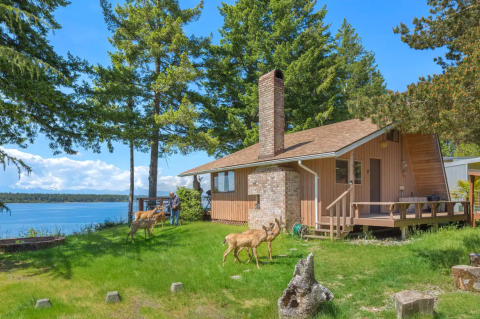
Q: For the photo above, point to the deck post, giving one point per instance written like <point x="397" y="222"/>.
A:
<point x="351" y="178"/>
<point x="391" y="208"/>
<point x="404" y="232"/>
<point x="337" y="213"/>
<point x="140" y="204"/>
<point x="365" y="229"/>
<point x="471" y="198"/>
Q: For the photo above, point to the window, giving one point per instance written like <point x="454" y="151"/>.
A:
<point x="224" y="182"/>
<point x="341" y="172"/>
<point x="393" y="136"/>
<point x="358" y="172"/>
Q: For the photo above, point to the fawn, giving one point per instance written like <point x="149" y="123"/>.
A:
<point x="146" y="225"/>
<point x="147" y="214"/>
<point x="280" y="225"/>
<point x="237" y="241"/>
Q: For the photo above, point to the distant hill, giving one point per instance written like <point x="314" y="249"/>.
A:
<point x="65" y="198"/>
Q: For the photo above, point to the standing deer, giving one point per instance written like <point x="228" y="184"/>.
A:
<point x="146" y="225"/>
<point x="280" y="225"/>
<point x="237" y="241"/>
<point x="147" y="214"/>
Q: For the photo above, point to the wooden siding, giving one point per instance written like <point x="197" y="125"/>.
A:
<point x="391" y="176"/>
<point x="424" y="173"/>
<point x="427" y="165"/>
<point x="234" y="205"/>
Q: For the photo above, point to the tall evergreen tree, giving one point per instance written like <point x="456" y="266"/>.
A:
<point x="149" y="37"/>
<point x="36" y="84"/>
<point x="358" y="75"/>
<point x="448" y="103"/>
<point x="259" y="36"/>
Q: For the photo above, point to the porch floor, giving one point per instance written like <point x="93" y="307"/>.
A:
<point x="383" y="219"/>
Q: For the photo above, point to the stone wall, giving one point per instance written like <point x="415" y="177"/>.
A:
<point x="279" y="191"/>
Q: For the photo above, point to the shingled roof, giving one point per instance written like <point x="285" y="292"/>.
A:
<point x="324" y="141"/>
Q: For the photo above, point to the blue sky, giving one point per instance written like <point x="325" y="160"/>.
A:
<point x="84" y="34"/>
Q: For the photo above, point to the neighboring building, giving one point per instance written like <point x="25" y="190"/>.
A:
<point x="279" y="172"/>
<point x="457" y="168"/>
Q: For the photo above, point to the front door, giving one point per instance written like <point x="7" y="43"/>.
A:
<point x="375" y="184"/>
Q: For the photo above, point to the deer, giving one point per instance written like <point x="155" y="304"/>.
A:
<point x="237" y="241"/>
<point x="280" y="226"/>
<point x="158" y="217"/>
<point x="146" y="225"/>
<point x="147" y="214"/>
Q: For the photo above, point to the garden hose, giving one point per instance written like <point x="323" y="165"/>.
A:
<point x="300" y="230"/>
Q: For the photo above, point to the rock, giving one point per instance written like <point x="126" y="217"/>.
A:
<point x="466" y="277"/>
<point x="112" y="297"/>
<point x="411" y="302"/>
<point x="176" y="287"/>
<point x="236" y="277"/>
<point x="304" y="295"/>
<point x="43" y="303"/>
<point x="474" y="260"/>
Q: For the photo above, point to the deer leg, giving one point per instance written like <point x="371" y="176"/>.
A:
<point x="226" y="253"/>
<point x="126" y="241"/>
<point x="235" y="254"/>
<point x="255" y="253"/>
<point x="270" y="250"/>
<point x="249" y="256"/>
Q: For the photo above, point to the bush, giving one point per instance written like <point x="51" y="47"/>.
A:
<point x="191" y="205"/>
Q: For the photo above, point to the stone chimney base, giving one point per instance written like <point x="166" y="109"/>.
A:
<point x="279" y="191"/>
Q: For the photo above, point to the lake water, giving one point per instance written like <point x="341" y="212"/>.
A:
<point x="68" y="217"/>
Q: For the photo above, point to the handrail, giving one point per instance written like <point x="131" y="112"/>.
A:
<point x="340" y="197"/>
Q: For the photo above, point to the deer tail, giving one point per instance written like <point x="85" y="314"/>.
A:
<point x="225" y="241"/>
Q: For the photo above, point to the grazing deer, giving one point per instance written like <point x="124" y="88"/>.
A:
<point x="280" y="225"/>
<point x="237" y="241"/>
<point x="146" y="225"/>
<point x="158" y="217"/>
<point x="147" y="214"/>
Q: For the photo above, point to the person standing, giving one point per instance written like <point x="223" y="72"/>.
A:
<point x="174" y="205"/>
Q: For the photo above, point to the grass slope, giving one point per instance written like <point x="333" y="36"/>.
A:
<point x="77" y="276"/>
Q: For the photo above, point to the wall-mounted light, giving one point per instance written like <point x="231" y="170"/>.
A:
<point x="383" y="144"/>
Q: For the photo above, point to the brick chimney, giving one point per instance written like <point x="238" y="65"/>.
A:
<point x="271" y="114"/>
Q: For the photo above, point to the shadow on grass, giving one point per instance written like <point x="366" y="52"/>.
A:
<point x="84" y="249"/>
<point x="472" y="242"/>
<point x="329" y="309"/>
<point x="441" y="258"/>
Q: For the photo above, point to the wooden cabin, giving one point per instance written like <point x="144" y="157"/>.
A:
<point x="330" y="177"/>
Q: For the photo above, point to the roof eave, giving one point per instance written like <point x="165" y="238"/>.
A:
<point x="338" y="153"/>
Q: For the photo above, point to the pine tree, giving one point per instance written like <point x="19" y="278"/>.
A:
<point x="259" y="36"/>
<point x="38" y="86"/>
<point x="358" y="75"/>
<point x="448" y="103"/>
<point x="148" y="36"/>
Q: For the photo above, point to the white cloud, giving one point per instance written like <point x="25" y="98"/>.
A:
<point x="57" y="174"/>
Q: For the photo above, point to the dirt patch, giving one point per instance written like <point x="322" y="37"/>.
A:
<point x="379" y="242"/>
<point x="255" y="303"/>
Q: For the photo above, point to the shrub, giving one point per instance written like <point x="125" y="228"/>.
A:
<point x="191" y="205"/>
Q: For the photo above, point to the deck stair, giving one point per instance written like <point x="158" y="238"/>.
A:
<point x="339" y="225"/>
<point x="323" y="231"/>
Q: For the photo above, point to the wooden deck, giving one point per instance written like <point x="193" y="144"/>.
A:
<point x="342" y="219"/>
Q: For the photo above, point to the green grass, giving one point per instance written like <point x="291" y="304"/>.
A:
<point x="77" y="276"/>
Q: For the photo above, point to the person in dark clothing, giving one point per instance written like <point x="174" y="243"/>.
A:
<point x="174" y="205"/>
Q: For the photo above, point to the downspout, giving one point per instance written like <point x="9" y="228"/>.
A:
<point x="316" y="189"/>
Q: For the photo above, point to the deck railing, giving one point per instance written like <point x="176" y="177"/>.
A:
<point x="338" y="212"/>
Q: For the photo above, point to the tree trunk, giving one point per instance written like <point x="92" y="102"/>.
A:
<point x="152" y="176"/>
<point x="132" y="185"/>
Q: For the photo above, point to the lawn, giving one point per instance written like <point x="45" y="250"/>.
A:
<point x="77" y="276"/>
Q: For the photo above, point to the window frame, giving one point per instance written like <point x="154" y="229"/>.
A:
<point x="345" y="160"/>
<point x="348" y="171"/>
<point x="393" y="132"/>
<point x="226" y="182"/>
